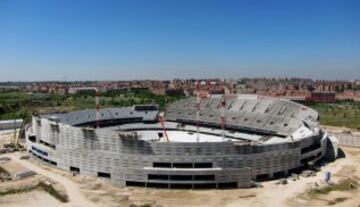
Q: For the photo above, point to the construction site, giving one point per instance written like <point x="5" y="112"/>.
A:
<point x="203" y="151"/>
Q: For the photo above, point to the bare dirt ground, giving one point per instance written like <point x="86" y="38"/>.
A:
<point x="5" y="137"/>
<point x="13" y="168"/>
<point x="348" y="167"/>
<point x="76" y="198"/>
<point x="335" y="129"/>
<point x="34" y="198"/>
<point x="90" y="191"/>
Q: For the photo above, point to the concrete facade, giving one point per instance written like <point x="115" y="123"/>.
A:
<point x="129" y="160"/>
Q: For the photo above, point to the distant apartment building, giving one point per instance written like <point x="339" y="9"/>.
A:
<point x="7" y="87"/>
<point x="290" y="88"/>
<point x="174" y="92"/>
<point x="349" y="95"/>
<point x="160" y="91"/>
<point x="320" y="96"/>
<point x="74" y="90"/>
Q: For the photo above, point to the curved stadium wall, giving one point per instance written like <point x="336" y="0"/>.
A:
<point x="119" y="151"/>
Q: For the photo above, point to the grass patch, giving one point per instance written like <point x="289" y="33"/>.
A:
<point x="16" y="104"/>
<point x="343" y="185"/>
<point x="341" y="114"/>
<point x="42" y="186"/>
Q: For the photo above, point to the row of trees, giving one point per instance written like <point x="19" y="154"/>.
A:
<point x="16" y="104"/>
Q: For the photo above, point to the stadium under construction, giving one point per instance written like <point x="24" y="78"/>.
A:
<point x="195" y="143"/>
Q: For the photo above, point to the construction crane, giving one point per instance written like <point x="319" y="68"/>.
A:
<point x="161" y="120"/>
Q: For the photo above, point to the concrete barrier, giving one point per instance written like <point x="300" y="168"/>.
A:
<point x="24" y="174"/>
<point x="10" y="124"/>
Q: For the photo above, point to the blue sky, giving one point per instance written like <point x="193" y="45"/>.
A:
<point x="151" y="39"/>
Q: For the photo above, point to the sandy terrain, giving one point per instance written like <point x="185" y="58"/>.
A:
<point x="13" y="168"/>
<point x="5" y="137"/>
<point x="335" y="129"/>
<point x="76" y="198"/>
<point x="34" y="198"/>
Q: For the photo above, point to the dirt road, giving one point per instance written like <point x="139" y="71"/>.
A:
<point x="76" y="197"/>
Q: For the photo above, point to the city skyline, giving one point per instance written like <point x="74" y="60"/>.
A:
<point x="161" y="40"/>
